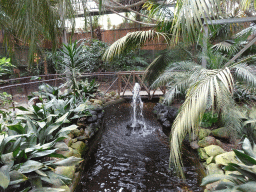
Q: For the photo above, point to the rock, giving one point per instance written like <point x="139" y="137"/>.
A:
<point x="219" y="143"/>
<point x="68" y="171"/>
<point x="207" y="141"/>
<point x="76" y="153"/>
<point x="210" y="160"/>
<point x="81" y="124"/>
<point x="172" y="112"/>
<point x="202" y="154"/>
<point x="92" y="100"/>
<point x="81" y="138"/>
<point x="203" y="133"/>
<point x="61" y="146"/>
<point x="68" y="153"/>
<point x="92" y="119"/>
<point x="158" y="107"/>
<point x="221" y="133"/>
<point x="74" y="140"/>
<point x="93" y="112"/>
<point x="100" y="115"/>
<point x="79" y="146"/>
<point x="98" y="109"/>
<point x="194" y="145"/>
<point x="213" y="168"/>
<point x="225" y="158"/>
<point x="99" y="102"/>
<point x="162" y="115"/>
<point x="213" y="150"/>
<point x="167" y="124"/>
<point x="81" y="131"/>
<point x="76" y="132"/>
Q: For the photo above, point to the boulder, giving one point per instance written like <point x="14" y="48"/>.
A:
<point x="167" y="124"/>
<point x="172" y="112"/>
<point x="213" y="168"/>
<point x="221" y="133"/>
<point x="225" y="158"/>
<point x="207" y="141"/>
<point x="213" y="150"/>
<point x="99" y="102"/>
<point x="67" y="153"/>
<point x="194" y="145"/>
<point x="203" y="133"/>
<point x="82" y="138"/>
<point x="92" y="112"/>
<point x="76" y="153"/>
<point x="68" y="171"/>
<point x="98" y="109"/>
<point x="202" y="154"/>
<point x="219" y="143"/>
<point x="79" y="146"/>
<point x="92" y="119"/>
<point x="76" y="132"/>
<point x="100" y="115"/>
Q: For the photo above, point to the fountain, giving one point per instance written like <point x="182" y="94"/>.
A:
<point x="137" y="123"/>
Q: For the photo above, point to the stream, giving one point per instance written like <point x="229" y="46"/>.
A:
<point x="134" y="160"/>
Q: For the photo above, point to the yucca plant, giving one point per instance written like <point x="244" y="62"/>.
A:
<point x="72" y="60"/>
<point x="245" y="180"/>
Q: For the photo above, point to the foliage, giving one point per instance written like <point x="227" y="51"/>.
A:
<point x="5" y="99"/>
<point x="246" y="179"/>
<point x="5" y="66"/>
<point x="93" y="51"/>
<point x="72" y="60"/>
<point x="40" y="21"/>
<point x="209" y="119"/>
<point x="28" y="138"/>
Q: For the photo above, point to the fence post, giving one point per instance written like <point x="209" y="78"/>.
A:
<point x="12" y="99"/>
<point x="119" y="84"/>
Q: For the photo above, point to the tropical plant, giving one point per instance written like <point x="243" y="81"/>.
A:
<point x="245" y="180"/>
<point x="5" y="99"/>
<point x="40" y="21"/>
<point x="72" y="60"/>
<point x="5" y="66"/>
<point x="204" y="89"/>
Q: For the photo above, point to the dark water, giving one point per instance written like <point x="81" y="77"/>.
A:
<point x="138" y="162"/>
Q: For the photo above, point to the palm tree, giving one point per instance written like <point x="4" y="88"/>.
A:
<point x="204" y="88"/>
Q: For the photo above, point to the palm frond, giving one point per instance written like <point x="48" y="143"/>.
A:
<point x="225" y="47"/>
<point x="133" y="40"/>
<point x="188" y="17"/>
<point x="245" y="73"/>
<point x="210" y="89"/>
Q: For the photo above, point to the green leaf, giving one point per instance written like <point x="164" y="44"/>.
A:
<point x="7" y="159"/>
<point x="247" y="147"/>
<point x="250" y="186"/>
<point x="69" y="161"/>
<point x="15" y="175"/>
<point x="47" y="189"/>
<point x="39" y="172"/>
<point x="30" y="166"/>
<point x="35" y="78"/>
<point x="4" y="176"/>
<point x="62" y="118"/>
<point x="42" y="153"/>
<point x="246" y="159"/>
<point x="213" y="178"/>
<point x="22" y="108"/>
<point x="18" y="128"/>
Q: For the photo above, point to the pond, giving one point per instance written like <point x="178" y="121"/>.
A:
<point x="134" y="160"/>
